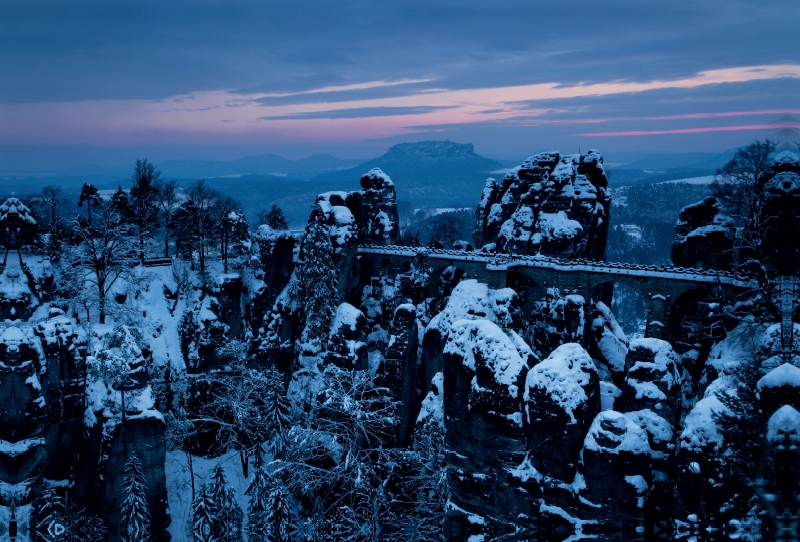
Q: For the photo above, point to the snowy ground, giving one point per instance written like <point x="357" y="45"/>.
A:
<point x="179" y="488"/>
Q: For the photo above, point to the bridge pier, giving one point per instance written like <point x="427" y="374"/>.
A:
<point x="658" y="308"/>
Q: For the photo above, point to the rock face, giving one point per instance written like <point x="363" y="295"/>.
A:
<point x="367" y="216"/>
<point x="562" y="397"/>
<point x="652" y="379"/>
<point x="399" y="371"/>
<point x="553" y="204"/>
<point x="704" y="237"/>
<point x="484" y="377"/>
<point x="781" y="208"/>
<point x="273" y="250"/>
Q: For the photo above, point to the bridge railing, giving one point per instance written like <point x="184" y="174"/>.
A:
<point x="592" y="265"/>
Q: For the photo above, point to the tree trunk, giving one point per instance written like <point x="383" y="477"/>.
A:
<point x="166" y="242"/>
<point x="191" y="472"/>
<point x="245" y="463"/>
<point x="101" y="302"/>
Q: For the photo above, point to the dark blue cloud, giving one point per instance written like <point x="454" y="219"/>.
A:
<point x="55" y="50"/>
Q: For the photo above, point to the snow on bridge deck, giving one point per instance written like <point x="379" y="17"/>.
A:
<point x="501" y="262"/>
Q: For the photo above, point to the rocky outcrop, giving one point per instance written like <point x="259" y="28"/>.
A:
<point x="553" y="204"/>
<point x="399" y="371"/>
<point x="273" y="252"/>
<point x="367" y="216"/>
<point x="347" y="347"/>
<point x="704" y="237"/>
<point x="781" y="205"/>
<point x="652" y="380"/>
<point x="484" y="379"/>
<point x="470" y="300"/>
<point x="617" y="474"/>
<point x="562" y="397"/>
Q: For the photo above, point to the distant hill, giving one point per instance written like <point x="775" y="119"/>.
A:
<point x="657" y="168"/>
<point x="266" y="164"/>
<point x="429" y="173"/>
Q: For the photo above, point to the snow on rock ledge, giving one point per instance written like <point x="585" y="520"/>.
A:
<point x="564" y="377"/>
<point x="554" y="204"/>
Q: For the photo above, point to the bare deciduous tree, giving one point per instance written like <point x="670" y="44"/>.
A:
<point x="168" y="200"/>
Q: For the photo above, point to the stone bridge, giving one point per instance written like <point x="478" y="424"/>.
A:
<point x="666" y="291"/>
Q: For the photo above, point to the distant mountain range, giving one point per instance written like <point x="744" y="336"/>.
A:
<point x="428" y="173"/>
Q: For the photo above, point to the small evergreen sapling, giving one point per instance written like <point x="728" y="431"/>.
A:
<point x="135" y="518"/>
<point x="227" y="516"/>
<point x="279" y="514"/>
<point x="203" y="516"/>
<point x="258" y="511"/>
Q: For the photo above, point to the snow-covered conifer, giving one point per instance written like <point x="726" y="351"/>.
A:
<point x="278" y="412"/>
<point x="258" y="511"/>
<point x="226" y="512"/>
<point x="135" y="518"/>
<point x="318" y="282"/>
<point x="279" y="514"/>
<point x="203" y="516"/>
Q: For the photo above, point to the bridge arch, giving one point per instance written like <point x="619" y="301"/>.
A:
<point x="443" y="279"/>
<point x="528" y="289"/>
<point x="628" y="305"/>
<point x="689" y="326"/>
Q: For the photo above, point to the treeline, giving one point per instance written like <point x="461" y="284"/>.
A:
<point x="654" y="210"/>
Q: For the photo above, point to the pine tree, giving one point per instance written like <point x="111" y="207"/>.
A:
<point x="233" y="230"/>
<point x="90" y="196"/>
<point x="144" y="200"/>
<point x="742" y="427"/>
<point x="203" y="516"/>
<point x="121" y="205"/>
<point x="278" y="412"/>
<point x="275" y="219"/>
<point x="258" y="511"/>
<point x="279" y="515"/>
<point x="135" y="518"/>
<point x="227" y="524"/>
<point x="318" y="280"/>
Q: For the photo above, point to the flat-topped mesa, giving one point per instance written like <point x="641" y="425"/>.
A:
<point x="553" y="204"/>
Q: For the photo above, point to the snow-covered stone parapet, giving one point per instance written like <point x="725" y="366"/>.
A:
<point x="703" y="237"/>
<point x="553" y="204"/>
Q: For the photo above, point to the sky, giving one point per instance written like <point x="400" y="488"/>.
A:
<point x="103" y="82"/>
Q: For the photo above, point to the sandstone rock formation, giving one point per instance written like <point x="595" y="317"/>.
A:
<point x="553" y="204"/>
<point x="704" y="237"/>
